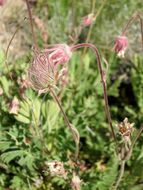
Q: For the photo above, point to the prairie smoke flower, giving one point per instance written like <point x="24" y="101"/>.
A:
<point x="121" y="43"/>
<point x="2" y="2"/>
<point x="59" y="54"/>
<point x="88" y="20"/>
<point x="45" y="71"/>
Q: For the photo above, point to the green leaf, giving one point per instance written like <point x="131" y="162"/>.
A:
<point x="11" y="155"/>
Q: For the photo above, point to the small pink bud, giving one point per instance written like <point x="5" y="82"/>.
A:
<point x="59" y="54"/>
<point x="2" y="2"/>
<point x="44" y="71"/>
<point x="88" y="20"/>
<point x="121" y="43"/>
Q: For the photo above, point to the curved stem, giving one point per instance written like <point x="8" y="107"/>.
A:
<point x="130" y="21"/>
<point x="103" y="80"/>
<point x="122" y="169"/>
<point x="69" y="125"/>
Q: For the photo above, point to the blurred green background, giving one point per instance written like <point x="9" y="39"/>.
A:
<point x="32" y="130"/>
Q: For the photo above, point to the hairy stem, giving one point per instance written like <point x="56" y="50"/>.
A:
<point x="69" y="125"/>
<point x="31" y="23"/>
<point x="102" y="74"/>
<point x="122" y="169"/>
<point x="130" y="21"/>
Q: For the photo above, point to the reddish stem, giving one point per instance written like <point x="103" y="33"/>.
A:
<point x="31" y="23"/>
<point x="130" y="21"/>
<point x="107" y="110"/>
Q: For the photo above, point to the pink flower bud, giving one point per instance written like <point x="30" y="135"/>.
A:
<point x="59" y="54"/>
<point x="2" y="2"/>
<point x="44" y="71"/>
<point x="121" y="43"/>
<point x="88" y="20"/>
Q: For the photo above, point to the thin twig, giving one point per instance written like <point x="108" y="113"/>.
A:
<point x="6" y="52"/>
<point x="69" y="125"/>
<point x="130" y="21"/>
<point x="31" y="23"/>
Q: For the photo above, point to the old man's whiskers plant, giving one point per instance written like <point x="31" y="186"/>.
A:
<point x="48" y="73"/>
<point x="126" y="130"/>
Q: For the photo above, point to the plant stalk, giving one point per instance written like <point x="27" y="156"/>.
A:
<point x="69" y="125"/>
<point x="107" y="110"/>
<point x="31" y="24"/>
<point x="130" y="21"/>
<point x="122" y="169"/>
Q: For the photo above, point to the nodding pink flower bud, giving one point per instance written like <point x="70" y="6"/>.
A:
<point x="2" y="2"/>
<point x="121" y="43"/>
<point x="44" y="71"/>
<point x="88" y="20"/>
<point x="59" y="54"/>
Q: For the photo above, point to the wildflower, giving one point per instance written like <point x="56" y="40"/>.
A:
<point x="2" y="2"/>
<point x="121" y="43"/>
<point x="14" y="106"/>
<point x="57" y="168"/>
<point x="126" y="129"/>
<point x="75" y="183"/>
<point x="45" y="71"/>
<point x="88" y="20"/>
<point x="59" y="54"/>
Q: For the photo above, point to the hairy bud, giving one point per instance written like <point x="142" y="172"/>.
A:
<point x="45" y="70"/>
